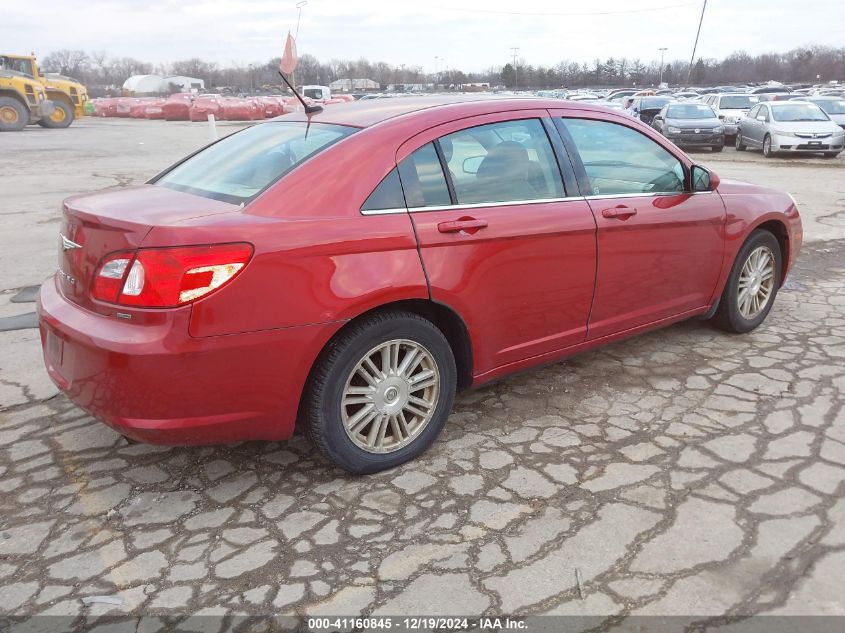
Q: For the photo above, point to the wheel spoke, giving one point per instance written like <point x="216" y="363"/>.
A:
<point x="408" y="365"/>
<point x="374" y="372"/>
<point x="360" y="420"/>
<point x="422" y="380"/>
<point x="376" y="434"/>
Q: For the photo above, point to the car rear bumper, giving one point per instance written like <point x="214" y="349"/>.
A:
<point x="157" y="384"/>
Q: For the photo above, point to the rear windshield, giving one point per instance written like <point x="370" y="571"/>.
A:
<point x="738" y="102"/>
<point x="243" y="165"/>
<point x="689" y="111"/>
<point x="799" y="112"/>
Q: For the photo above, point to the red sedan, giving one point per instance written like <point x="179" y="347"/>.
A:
<point x="351" y="270"/>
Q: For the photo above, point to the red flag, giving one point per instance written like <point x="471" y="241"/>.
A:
<point x="289" y="58"/>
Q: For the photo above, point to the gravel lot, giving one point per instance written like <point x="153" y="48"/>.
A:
<point x="682" y="472"/>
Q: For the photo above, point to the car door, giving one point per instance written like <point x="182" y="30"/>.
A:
<point x="756" y="127"/>
<point x="660" y="246"/>
<point x="502" y="241"/>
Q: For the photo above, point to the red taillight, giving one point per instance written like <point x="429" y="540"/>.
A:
<point x="167" y="277"/>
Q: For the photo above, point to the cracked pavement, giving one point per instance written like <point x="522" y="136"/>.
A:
<point x="683" y="472"/>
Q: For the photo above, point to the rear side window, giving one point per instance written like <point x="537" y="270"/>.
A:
<point x="423" y="179"/>
<point x="388" y="194"/>
<point x="244" y="164"/>
<point x="502" y="162"/>
<point x="619" y="160"/>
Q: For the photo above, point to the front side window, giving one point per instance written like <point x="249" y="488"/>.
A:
<point x="619" y="160"/>
<point x="502" y="162"/>
<point x="754" y="112"/>
<point x="242" y="165"/>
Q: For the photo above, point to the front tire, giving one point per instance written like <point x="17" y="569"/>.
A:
<point x="831" y="154"/>
<point x="13" y="115"/>
<point x="767" y="147"/>
<point x="62" y="116"/>
<point x="752" y="286"/>
<point x="717" y="148"/>
<point x="740" y="146"/>
<point x="381" y="392"/>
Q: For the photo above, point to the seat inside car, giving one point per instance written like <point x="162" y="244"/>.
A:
<point x="525" y="182"/>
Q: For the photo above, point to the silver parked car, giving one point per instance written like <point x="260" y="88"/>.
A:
<point x="793" y="127"/>
<point x="730" y="108"/>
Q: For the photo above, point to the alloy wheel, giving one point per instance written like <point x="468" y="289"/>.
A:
<point x="390" y="396"/>
<point x="756" y="282"/>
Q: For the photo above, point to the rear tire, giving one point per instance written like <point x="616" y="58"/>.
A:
<point x="738" y="312"/>
<point x="62" y="116"/>
<point x="14" y="116"/>
<point x="738" y="144"/>
<point x="362" y="410"/>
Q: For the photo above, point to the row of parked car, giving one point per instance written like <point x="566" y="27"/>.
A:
<point x="191" y="107"/>
<point x="773" y="118"/>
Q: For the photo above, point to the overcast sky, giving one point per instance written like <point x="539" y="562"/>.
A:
<point x="468" y="34"/>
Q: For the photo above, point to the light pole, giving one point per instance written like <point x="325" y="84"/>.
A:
<point x="515" y="50"/>
<point x="251" y="88"/>
<point x="662" y="53"/>
<point x="299" y="6"/>
<point x="437" y="58"/>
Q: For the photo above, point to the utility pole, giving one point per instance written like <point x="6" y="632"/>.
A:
<point x="515" y="50"/>
<point x="695" y="46"/>
<point x="662" y="53"/>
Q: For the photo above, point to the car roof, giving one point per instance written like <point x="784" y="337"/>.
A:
<point x="373" y="111"/>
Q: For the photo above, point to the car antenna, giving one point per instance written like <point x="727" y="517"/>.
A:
<point x="287" y="64"/>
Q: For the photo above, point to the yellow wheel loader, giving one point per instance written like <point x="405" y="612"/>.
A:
<point x="22" y="100"/>
<point x="68" y="95"/>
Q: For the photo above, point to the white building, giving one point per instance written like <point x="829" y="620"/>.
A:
<point x="186" y="84"/>
<point x="346" y="85"/>
<point x="144" y="84"/>
<point x="153" y="84"/>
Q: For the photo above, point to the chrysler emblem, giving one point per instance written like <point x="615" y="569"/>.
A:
<point x="67" y="244"/>
<point x="697" y="130"/>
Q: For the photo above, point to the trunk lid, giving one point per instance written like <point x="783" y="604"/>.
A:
<point x="94" y="225"/>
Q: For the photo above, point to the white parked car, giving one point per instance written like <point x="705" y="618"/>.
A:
<point x="795" y="127"/>
<point x="730" y="108"/>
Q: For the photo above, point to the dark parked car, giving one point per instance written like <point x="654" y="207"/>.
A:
<point x="691" y="125"/>
<point x="647" y="107"/>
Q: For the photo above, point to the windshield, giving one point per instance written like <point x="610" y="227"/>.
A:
<point x="738" y="102"/>
<point x="832" y="106"/>
<point x="690" y="111"/>
<point x="242" y="165"/>
<point x="799" y="112"/>
<point x="18" y="65"/>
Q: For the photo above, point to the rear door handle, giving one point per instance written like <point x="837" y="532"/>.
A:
<point x="620" y="213"/>
<point x="469" y="225"/>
